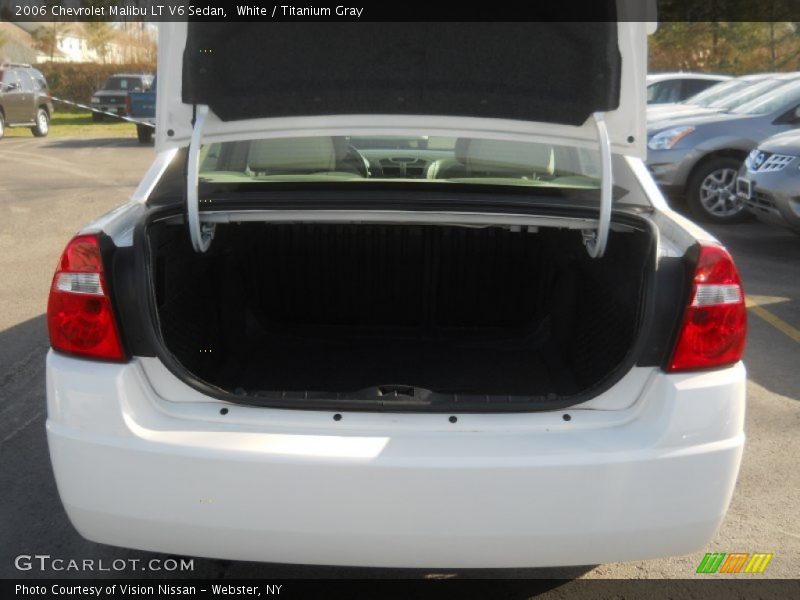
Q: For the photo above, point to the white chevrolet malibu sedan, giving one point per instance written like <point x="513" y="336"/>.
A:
<point x="398" y="295"/>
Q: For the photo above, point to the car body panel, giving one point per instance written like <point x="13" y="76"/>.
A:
<point x="12" y="98"/>
<point x="686" y="75"/>
<point x="297" y="486"/>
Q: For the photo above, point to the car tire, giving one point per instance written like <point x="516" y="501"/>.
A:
<point x="2" y="126"/>
<point x="144" y="133"/>
<point x="711" y="193"/>
<point x="97" y="117"/>
<point x="42" y="127"/>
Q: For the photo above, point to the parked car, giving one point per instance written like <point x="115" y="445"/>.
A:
<point x="769" y="181"/>
<point x="113" y="96"/>
<point x="341" y="322"/>
<point x="142" y="107"/>
<point x="721" y="97"/>
<point x="674" y="87"/>
<point x="699" y="157"/>
<point x="24" y="99"/>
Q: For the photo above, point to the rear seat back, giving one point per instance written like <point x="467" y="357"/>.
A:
<point x="292" y="155"/>
<point x="495" y="158"/>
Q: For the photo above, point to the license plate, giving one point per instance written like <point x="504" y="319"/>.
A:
<point x="744" y="187"/>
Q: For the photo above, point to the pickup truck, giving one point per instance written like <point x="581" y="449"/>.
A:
<point x="142" y="107"/>
<point x="113" y="96"/>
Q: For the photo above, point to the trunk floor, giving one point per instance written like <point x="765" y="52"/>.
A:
<point x="287" y="363"/>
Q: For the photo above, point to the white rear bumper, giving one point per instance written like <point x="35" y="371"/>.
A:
<point x="398" y="490"/>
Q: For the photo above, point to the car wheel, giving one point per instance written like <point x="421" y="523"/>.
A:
<point x="712" y="192"/>
<point x="144" y="133"/>
<point x="97" y="117"/>
<point x="42" y="127"/>
<point x="2" y="126"/>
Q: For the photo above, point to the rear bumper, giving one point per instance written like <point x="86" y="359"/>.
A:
<point x="112" y="108"/>
<point x="521" y="490"/>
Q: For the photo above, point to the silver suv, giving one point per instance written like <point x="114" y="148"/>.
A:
<point x="769" y="181"/>
<point x="699" y="157"/>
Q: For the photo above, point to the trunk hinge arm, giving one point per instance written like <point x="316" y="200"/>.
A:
<point x="595" y="241"/>
<point x="201" y="234"/>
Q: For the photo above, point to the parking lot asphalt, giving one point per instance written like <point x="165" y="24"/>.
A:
<point x="50" y="188"/>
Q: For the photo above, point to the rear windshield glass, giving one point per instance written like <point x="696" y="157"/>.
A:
<point x="418" y="158"/>
<point x="39" y="81"/>
<point x="124" y="84"/>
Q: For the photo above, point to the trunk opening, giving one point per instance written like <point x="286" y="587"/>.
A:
<point x="438" y="317"/>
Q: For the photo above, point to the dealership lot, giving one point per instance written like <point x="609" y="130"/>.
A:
<point x="49" y="188"/>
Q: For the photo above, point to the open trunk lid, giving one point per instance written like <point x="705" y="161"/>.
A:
<point x="580" y="83"/>
<point x="268" y="77"/>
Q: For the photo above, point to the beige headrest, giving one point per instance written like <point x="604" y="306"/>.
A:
<point x="292" y="154"/>
<point x="493" y="155"/>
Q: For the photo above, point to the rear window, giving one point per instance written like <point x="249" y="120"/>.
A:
<point x="693" y="86"/>
<point x="39" y="82"/>
<point x="663" y="92"/>
<point x="436" y="160"/>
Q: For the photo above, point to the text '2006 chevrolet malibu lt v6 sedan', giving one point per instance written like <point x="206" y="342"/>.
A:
<point x="375" y="316"/>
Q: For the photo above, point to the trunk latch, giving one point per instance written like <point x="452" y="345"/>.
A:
<point x="396" y="390"/>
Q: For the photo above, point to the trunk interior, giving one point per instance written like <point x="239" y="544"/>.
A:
<point x="391" y="312"/>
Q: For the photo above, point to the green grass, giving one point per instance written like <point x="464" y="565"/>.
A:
<point x="80" y="124"/>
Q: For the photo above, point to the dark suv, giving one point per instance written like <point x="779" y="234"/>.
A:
<point x="24" y="99"/>
<point x="113" y="97"/>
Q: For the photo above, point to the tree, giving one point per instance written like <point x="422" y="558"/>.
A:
<point x="725" y="47"/>
<point x="45" y="38"/>
<point x="98" y="36"/>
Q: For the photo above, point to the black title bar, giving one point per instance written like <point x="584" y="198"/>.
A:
<point x="351" y="10"/>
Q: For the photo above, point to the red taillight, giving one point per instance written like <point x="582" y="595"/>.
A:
<point x="128" y="105"/>
<point x="80" y="319"/>
<point x="715" y="321"/>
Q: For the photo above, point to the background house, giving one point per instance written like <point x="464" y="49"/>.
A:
<point x="92" y="42"/>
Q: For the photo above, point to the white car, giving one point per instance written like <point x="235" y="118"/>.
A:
<point x="364" y="313"/>
<point x="669" y="88"/>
